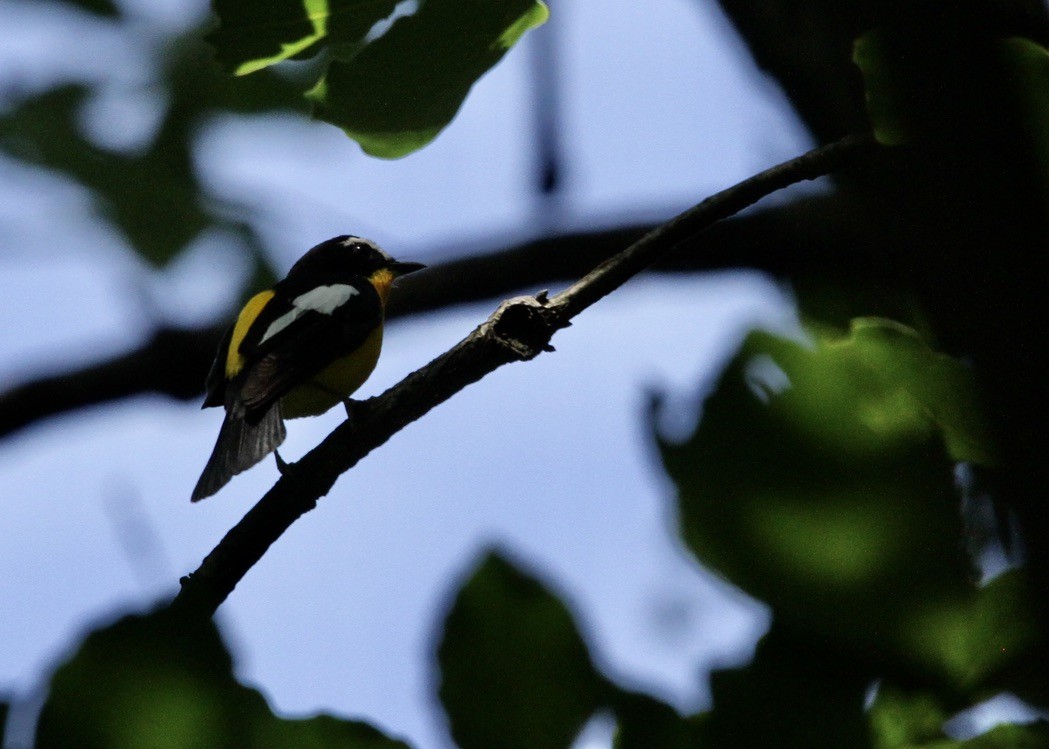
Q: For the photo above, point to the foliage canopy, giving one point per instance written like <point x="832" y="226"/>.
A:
<point x="845" y="479"/>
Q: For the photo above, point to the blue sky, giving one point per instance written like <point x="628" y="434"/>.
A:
<point x="550" y="460"/>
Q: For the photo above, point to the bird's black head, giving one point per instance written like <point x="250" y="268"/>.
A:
<point x="349" y="255"/>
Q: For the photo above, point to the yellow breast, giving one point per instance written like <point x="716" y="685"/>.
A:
<point x="339" y="379"/>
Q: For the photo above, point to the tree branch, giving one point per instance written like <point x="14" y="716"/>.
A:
<point x="173" y="361"/>
<point x="801" y="239"/>
<point x="518" y="331"/>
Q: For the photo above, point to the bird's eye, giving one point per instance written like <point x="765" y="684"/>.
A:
<point x="352" y="245"/>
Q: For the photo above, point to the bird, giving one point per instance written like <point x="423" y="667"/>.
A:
<point x="297" y="349"/>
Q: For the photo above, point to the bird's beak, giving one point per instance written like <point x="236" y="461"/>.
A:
<point x="403" y="269"/>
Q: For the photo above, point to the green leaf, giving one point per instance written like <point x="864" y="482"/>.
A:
<point x="165" y="681"/>
<point x="514" y="670"/>
<point x="198" y="87"/>
<point x="254" y="35"/>
<point x="1027" y="64"/>
<point x="152" y="195"/>
<point x="902" y="720"/>
<point x="819" y="480"/>
<point x="938" y="386"/>
<point x="795" y="691"/>
<point x="984" y="637"/>
<point x="402" y="89"/>
<point x="916" y="86"/>
<point x="643" y="722"/>
<point x="872" y="52"/>
<point x="160" y="680"/>
<point x="393" y="94"/>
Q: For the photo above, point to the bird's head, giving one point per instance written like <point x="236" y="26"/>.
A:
<point x="351" y="255"/>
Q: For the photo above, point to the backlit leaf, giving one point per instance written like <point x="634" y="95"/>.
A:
<point x="401" y="90"/>
<point x="514" y="670"/>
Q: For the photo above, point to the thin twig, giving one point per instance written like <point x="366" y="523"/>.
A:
<point x="518" y="331"/>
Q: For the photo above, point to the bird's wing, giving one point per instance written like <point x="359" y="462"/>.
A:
<point x="298" y="338"/>
<point x="215" y="385"/>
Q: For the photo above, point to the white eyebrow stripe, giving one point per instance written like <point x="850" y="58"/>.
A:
<point x="323" y="299"/>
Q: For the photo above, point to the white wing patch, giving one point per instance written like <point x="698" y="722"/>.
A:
<point x="323" y="299"/>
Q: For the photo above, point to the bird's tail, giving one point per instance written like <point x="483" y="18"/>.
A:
<point x="240" y="446"/>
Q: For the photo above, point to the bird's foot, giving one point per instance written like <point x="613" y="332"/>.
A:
<point x="353" y="408"/>
<point x="282" y="465"/>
